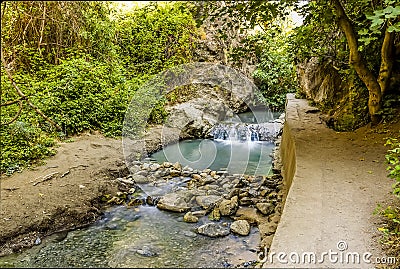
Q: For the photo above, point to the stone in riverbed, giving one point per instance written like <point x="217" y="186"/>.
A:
<point x="140" y="179"/>
<point x="205" y="201"/>
<point x="189" y="217"/>
<point x="176" y="202"/>
<point x="213" y="230"/>
<point x="229" y="207"/>
<point x="241" y="227"/>
<point x="177" y="166"/>
<point x="265" y="208"/>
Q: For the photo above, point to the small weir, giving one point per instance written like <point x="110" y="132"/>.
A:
<point x="143" y="235"/>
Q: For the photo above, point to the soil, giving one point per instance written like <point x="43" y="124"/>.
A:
<point x="65" y="192"/>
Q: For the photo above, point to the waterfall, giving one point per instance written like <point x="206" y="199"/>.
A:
<point x="246" y="132"/>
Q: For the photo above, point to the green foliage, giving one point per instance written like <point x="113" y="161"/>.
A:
<point x="23" y="145"/>
<point x="86" y="70"/>
<point x="393" y="160"/>
<point x="275" y="74"/>
<point x="156" y="37"/>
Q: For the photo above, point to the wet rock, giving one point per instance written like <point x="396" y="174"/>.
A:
<point x="199" y="213"/>
<point x="155" y="166"/>
<point x="248" y="213"/>
<point x="241" y="227"/>
<point x="167" y="164"/>
<point x="265" y="208"/>
<point x="189" y="217"/>
<point x="152" y="200"/>
<point x="220" y="172"/>
<point x="176" y="202"/>
<point x="140" y="179"/>
<point x="136" y="202"/>
<point x="215" y="214"/>
<point x="196" y="176"/>
<point x="175" y="173"/>
<point x="206" y="201"/>
<point x="177" y="166"/>
<point x="147" y="252"/>
<point x="213" y="230"/>
<point x="229" y="207"/>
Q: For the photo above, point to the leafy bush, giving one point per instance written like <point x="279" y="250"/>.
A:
<point x="23" y="145"/>
<point x="391" y="214"/>
<point x="89" y="81"/>
<point x="393" y="159"/>
<point x="155" y="37"/>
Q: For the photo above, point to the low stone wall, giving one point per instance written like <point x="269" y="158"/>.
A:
<point x="288" y="155"/>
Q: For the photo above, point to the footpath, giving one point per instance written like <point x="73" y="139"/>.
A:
<point x="336" y="180"/>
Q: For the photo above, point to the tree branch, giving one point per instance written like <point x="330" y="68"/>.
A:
<point x="16" y="115"/>
<point x="387" y="58"/>
<point x="42" y="28"/>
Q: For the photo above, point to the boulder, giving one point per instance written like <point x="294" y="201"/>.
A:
<point x="213" y="230"/>
<point x="241" y="227"/>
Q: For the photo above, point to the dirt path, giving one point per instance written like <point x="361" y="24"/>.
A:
<point x="338" y="181"/>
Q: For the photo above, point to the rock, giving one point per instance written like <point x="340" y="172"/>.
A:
<point x="175" y="173"/>
<point x="38" y="241"/>
<point x="207" y="171"/>
<point x="266" y="228"/>
<point x="241" y="227"/>
<point x="126" y="181"/>
<point x="246" y="201"/>
<point x="213" y="173"/>
<point x="215" y="214"/>
<point x="152" y="200"/>
<point x="155" y="166"/>
<point x="275" y="218"/>
<point x="265" y="208"/>
<point x="167" y="164"/>
<point x="147" y="252"/>
<point x="206" y="201"/>
<point x="177" y="166"/>
<point x="175" y="201"/>
<point x="196" y="176"/>
<point x="229" y="207"/>
<point x="248" y="213"/>
<point x="140" y="179"/>
<point x="203" y="174"/>
<point x="199" y="213"/>
<point x="220" y="173"/>
<point x="189" y="217"/>
<point x="213" y="230"/>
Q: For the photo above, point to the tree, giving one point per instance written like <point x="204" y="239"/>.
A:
<point x="368" y="26"/>
<point x="376" y="85"/>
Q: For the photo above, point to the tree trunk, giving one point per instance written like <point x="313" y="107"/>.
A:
<point x="356" y="60"/>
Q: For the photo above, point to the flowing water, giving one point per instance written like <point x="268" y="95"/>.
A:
<point x="145" y="236"/>
<point x="236" y="157"/>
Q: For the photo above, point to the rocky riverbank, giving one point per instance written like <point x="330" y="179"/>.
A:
<point x="247" y="200"/>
